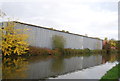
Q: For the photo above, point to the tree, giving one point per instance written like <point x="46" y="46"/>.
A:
<point x="2" y="14"/>
<point x="113" y="43"/>
<point x="63" y="30"/>
<point x="106" y="38"/>
<point x="118" y="45"/>
<point x="106" y="45"/>
<point x="58" y="42"/>
<point x="13" y="40"/>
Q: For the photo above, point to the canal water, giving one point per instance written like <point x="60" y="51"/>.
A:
<point x="88" y="66"/>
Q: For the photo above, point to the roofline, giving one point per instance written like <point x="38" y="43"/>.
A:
<point x="53" y="30"/>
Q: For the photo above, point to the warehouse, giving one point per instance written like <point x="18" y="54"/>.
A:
<point x="42" y="37"/>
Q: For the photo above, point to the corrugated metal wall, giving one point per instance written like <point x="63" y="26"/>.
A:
<point x="41" y="37"/>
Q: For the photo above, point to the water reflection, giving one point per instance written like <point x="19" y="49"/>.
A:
<point x="14" y="68"/>
<point x="57" y="64"/>
<point x="43" y="67"/>
<point x="110" y="58"/>
<point x="0" y="68"/>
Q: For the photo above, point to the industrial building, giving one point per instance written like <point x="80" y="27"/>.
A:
<point x="42" y="37"/>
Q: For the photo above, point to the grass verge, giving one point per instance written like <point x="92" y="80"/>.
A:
<point x="112" y="75"/>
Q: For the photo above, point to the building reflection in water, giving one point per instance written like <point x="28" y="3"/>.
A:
<point x="39" y="68"/>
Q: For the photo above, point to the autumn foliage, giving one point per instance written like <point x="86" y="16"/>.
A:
<point x="13" y="41"/>
<point x="42" y="51"/>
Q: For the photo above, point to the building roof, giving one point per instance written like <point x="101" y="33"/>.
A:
<point x="54" y="30"/>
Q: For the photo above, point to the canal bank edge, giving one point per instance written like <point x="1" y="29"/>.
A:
<point x="113" y="74"/>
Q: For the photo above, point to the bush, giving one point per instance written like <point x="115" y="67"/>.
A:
<point x="42" y="51"/>
<point x="13" y="41"/>
<point x="86" y="50"/>
<point x="58" y="42"/>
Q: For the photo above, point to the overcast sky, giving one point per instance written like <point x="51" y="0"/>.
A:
<point x="96" y="18"/>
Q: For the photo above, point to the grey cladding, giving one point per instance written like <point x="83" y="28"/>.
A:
<point x="42" y="37"/>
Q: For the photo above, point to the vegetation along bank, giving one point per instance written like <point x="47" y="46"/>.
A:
<point x="113" y="74"/>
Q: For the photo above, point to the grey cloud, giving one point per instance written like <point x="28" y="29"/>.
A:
<point x="64" y="14"/>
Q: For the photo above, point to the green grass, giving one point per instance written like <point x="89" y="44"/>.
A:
<point x="112" y="75"/>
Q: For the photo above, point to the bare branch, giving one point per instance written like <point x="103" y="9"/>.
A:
<point x="2" y="14"/>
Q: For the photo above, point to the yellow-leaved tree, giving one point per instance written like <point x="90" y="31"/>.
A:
<point x="13" y="41"/>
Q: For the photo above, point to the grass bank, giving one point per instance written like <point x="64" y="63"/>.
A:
<point x="112" y="75"/>
<point x="33" y="51"/>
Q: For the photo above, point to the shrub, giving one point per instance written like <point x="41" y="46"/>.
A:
<point x="58" y="42"/>
<point x="13" y="41"/>
<point x="86" y="50"/>
<point x="42" y="51"/>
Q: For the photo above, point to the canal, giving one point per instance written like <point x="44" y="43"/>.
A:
<point x="88" y="66"/>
